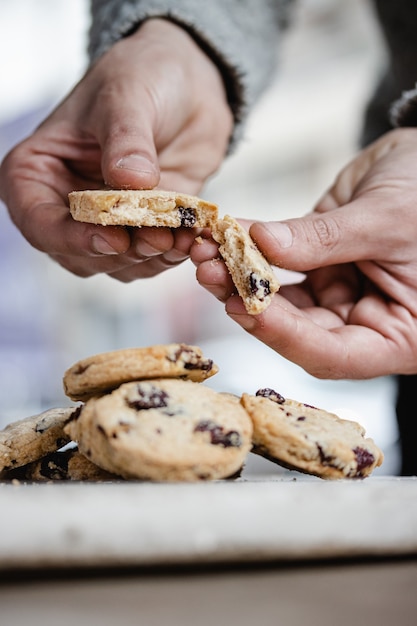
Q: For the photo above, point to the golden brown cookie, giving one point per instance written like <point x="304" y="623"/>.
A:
<point x="251" y="273"/>
<point x="141" y="208"/>
<point x="103" y="372"/>
<point x="29" y="439"/>
<point x="164" y="430"/>
<point x="311" y="440"/>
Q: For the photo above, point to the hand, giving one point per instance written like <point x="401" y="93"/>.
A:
<point x="150" y="112"/>
<point x="355" y="314"/>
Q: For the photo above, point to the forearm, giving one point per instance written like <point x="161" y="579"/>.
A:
<point x="240" y="36"/>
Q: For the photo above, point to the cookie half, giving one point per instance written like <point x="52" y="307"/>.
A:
<point x="61" y="465"/>
<point x="252" y="275"/>
<point x="29" y="439"/>
<point x="103" y="372"/>
<point x="164" y="430"/>
<point x="311" y="440"/>
<point x="141" y="208"/>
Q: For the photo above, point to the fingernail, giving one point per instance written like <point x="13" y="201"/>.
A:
<point x="175" y="256"/>
<point x="144" y="249"/>
<point x="136" y="163"/>
<point x="101" y="246"/>
<point x="282" y="233"/>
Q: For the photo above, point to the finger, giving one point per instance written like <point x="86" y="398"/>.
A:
<point x="121" y="119"/>
<point x="151" y="262"/>
<point x="36" y="196"/>
<point x="213" y="276"/>
<point x="146" y="269"/>
<point x="137" y="262"/>
<point x="124" y="128"/>
<point x="84" y="268"/>
<point x="353" y="352"/>
<point x="343" y="235"/>
<point x="348" y="181"/>
<point x="46" y="222"/>
<point x="204" y="250"/>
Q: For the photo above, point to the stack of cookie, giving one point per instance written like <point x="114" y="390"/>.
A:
<point x="146" y="414"/>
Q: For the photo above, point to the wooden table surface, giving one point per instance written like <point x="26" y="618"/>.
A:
<point x="343" y="593"/>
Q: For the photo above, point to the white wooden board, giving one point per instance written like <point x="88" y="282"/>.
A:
<point x="291" y="517"/>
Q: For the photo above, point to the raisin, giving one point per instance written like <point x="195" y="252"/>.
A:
<point x="325" y="459"/>
<point x="230" y="439"/>
<point x="205" y="366"/>
<point x="61" y="441"/>
<point x="180" y="353"/>
<point x="76" y="413"/>
<point x="271" y="395"/>
<point x="188" y="216"/>
<point x="235" y="475"/>
<point x="152" y="398"/>
<point x="55" y="466"/>
<point x="191" y="360"/>
<point x="364" y="458"/>
<point x="259" y="286"/>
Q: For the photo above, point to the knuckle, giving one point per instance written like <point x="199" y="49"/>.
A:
<point x="324" y="232"/>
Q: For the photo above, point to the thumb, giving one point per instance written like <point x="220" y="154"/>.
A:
<point x="129" y="157"/>
<point x="319" y="239"/>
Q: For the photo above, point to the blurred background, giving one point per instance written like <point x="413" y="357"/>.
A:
<point x="303" y="130"/>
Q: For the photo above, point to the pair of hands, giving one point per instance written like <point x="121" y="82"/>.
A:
<point x="153" y="112"/>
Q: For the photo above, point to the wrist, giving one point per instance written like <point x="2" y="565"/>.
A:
<point x="190" y="46"/>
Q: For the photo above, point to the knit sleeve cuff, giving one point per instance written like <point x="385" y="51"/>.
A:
<point x="403" y="112"/>
<point x="243" y="43"/>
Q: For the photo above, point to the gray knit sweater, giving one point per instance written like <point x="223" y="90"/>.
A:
<point x="242" y="37"/>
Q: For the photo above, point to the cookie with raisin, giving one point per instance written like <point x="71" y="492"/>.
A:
<point x="164" y="430"/>
<point x="29" y="439"/>
<point x="252" y="275"/>
<point x="311" y="440"/>
<point x="152" y="207"/>
<point x="68" y="464"/>
<point x="104" y="372"/>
